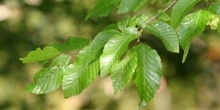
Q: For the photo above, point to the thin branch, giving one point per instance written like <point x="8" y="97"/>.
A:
<point x="165" y="10"/>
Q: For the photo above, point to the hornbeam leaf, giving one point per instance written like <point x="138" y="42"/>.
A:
<point x="165" y="1"/>
<point x="103" y="8"/>
<point x="82" y="74"/>
<point x="49" y="79"/>
<point x="147" y="77"/>
<point x="180" y="9"/>
<point x="122" y="71"/>
<point x="166" y="33"/>
<point x="102" y="38"/>
<point x="40" y="55"/>
<point x="130" y="5"/>
<point x="215" y="8"/>
<point x="86" y="65"/>
<point x="192" y="25"/>
<point x="72" y="43"/>
<point x="115" y="48"/>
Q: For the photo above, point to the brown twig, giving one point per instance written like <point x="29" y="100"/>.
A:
<point x="166" y="9"/>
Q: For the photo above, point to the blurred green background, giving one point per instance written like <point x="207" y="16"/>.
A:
<point x="28" y="24"/>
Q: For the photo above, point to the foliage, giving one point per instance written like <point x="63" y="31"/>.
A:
<point x="119" y="51"/>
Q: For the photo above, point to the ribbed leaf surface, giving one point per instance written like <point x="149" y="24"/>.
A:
<point x="166" y="33"/>
<point x="147" y="77"/>
<point x="122" y="71"/>
<point x="40" y="55"/>
<point x="102" y="38"/>
<point x="115" y="48"/>
<point x="49" y="79"/>
<point x="180" y="9"/>
<point x="130" y="5"/>
<point x="192" y="25"/>
<point x="82" y="74"/>
<point x="86" y="65"/>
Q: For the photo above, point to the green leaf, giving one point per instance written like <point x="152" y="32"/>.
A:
<point x="130" y="5"/>
<point x="82" y="74"/>
<point x="86" y="65"/>
<point x="40" y="55"/>
<point x="49" y="79"/>
<point x="122" y="25"/>
<point x="165" y="1"/>
<point x="166" y="33"/>
<point x="180" y="9"/>
<point x="115" y="48"/>
<point x="163" y="16"/>
<point x="140" y="21"/>
<point x="103" y="8"/>
<point x="99" y="42"/>
<point x="72" y="43"/>
<point x="192" y="25"/>
<point x="102" y="38"/>
<point x="147" y="77"/>
<point x="111" y="26"/>
<point x="215" y="8"/>
<point x="122" y="71"/>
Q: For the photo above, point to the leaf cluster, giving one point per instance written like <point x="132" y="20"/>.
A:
<point x="118" y="50"/>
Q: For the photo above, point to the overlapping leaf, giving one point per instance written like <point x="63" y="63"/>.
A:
<point x="192" y="25"/>
<point x="140" y="21"/>
<point x="86" y="65"/>
<point x="103" y="8"/>
<point x="100" y="39"/>
<point x="147" y="77"/>
<point x="122" y="71"/>
<point x="49" y="79"/>
<point x="130" y="5"/>
<point x="72" y="43"/>
<point x="40" y="55"/>
<point x="166" y="33"/>
<point x="115" y="48"/>
<point x="82" y="74"/>
<point x="180" y="9"/>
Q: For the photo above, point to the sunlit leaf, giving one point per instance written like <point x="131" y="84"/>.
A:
<point x="82" y="74"/>
<point x="180" y="9"/>
<point x="122" y="71"/>
<point x="100" y="39"/>
<point x="115" y="48"/>
<point x="214" y="22"/>
<point x="192" y="25"/>
<point x="147" y="77"/>
<point x="130" y="5"/>
<point x="49" y="79"/>
<point x="40" y="55"/>
<point x="72" y="43"/>
<point x="166" y="33"/>
<point x="103" y="8"/>
<point x="86" y="65"/>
